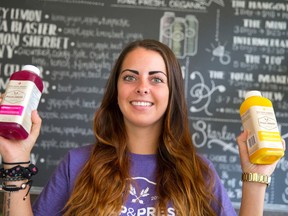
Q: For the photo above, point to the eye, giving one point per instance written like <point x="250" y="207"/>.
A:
<point x="157" y="80"/>
<point x="129" y="78"/>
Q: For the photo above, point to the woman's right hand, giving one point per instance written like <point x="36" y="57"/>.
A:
<point x="19" y="150"/>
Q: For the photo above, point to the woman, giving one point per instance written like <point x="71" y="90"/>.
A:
<point x="143" y="162"/>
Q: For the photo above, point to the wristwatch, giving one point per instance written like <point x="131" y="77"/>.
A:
<point x="256" y="177"/>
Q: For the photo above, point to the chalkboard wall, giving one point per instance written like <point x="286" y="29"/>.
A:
<point x="225" y="47"/>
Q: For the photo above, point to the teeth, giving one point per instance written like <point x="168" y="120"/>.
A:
<point x="141" y="103"/>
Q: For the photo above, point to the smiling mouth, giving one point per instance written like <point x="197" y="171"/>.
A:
<point x="141" y="103"/>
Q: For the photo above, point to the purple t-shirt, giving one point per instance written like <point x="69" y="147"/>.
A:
<point x="141" y="199"/>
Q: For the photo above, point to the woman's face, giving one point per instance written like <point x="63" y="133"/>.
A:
<point x="143" y="91"/>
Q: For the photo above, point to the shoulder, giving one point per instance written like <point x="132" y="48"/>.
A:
<point x="81" y="152"/>
<point x="60" y="185"/>
<point x="206" y="161"/>
<point x="73" y="161"/>
<point x="77" y="157"/>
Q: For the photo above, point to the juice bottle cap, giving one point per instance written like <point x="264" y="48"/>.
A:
<point x="31" y="68"/>
<point x="252" y="93"/>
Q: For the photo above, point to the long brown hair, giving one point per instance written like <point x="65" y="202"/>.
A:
<point x="183" y="178"/>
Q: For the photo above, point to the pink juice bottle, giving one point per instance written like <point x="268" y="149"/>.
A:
<point x="21" y="97"/>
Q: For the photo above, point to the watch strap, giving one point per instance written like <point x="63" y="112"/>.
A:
<point x="256" y="177"/>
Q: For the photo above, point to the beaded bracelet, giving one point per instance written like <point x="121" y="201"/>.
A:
<point x="19" y="178"/>
<point x="19" y="171"/>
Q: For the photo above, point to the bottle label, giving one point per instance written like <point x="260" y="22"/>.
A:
<point x="11" y="110"/>
<point x="269" y="136"/>
<point x="21" y="97"/>
<point x="263" y="130"/>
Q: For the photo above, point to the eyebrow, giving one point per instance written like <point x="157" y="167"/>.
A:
<point x="150" y="72"/>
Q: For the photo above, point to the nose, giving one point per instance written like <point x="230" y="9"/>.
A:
<point x="142" y="88"/>
<point x="142" y="91"/>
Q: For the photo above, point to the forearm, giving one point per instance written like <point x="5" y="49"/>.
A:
<point x="14" y="205"/>
<point x="16" y="188"/>
<point x="253" y="195"/>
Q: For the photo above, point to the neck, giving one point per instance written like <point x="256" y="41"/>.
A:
<point x="143" y="140"/>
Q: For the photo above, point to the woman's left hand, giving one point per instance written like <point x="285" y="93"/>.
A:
<point x="247" y="166"/>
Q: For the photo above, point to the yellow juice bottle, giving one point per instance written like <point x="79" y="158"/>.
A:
<point x="264" y="140"/>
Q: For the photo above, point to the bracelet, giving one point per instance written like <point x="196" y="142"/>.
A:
<point x="15" y="163"/>
<point x="19" y="178"/>
<point x="256" y="177"/>
<point x="19" y="171"/>
<point x="14" y="188"/>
